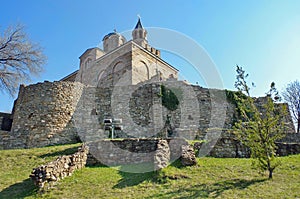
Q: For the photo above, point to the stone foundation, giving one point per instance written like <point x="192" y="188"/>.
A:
<point x="157" y="152"/>
<point x="227" y="146"/>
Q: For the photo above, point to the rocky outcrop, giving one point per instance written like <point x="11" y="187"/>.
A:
<point x="62" y="167"/>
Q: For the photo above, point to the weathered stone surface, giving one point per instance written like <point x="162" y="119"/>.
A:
<point x="288" y="148"/>
<point x="175" y="147"/>
<point x="5" y="121"/>
<point x="135" y="151"/>
<point x="162" y="155"/>
<point x="188" y="157"/>
<point x="125" y="151"/>
<point x="62" y="167"/>
<point x="43" y="114"/>
<point x="61" y="112"/>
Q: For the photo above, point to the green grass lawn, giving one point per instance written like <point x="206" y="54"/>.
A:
<point x="212" y="178"/>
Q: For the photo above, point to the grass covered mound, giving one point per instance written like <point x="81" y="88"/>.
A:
<point x="212" y="178"/>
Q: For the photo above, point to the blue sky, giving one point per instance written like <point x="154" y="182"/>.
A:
<point x="262" y="36"/>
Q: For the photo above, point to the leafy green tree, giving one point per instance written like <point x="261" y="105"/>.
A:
<point x="258" y="129"/>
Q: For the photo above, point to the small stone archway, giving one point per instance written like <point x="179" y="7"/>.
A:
<point x="117" y="72"/>
<point x="142" y="71"/>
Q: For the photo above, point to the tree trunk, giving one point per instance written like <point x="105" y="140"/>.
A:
<point x="270" y="173"/>
<point x="298" y="125"/>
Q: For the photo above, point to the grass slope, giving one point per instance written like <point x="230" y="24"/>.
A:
<point x="212" y="178"/>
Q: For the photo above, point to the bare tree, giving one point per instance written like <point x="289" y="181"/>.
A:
<point x="19" y="59"/>
<point x="292" y="96"/>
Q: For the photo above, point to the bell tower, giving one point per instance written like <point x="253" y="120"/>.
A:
<point x="139" y="34"/>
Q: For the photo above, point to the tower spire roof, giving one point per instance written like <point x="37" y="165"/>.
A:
<point x="139" y="24"/>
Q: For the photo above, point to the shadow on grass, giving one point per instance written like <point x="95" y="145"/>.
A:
<point x="68" y="151"/>
<point x="208" y="190"/>
<point x="135" y="174"/>
<point x="177" y="164"/>
<point x="96" y="165"/>
<point x="132" y="179"/>
<point x="19" y="190"/>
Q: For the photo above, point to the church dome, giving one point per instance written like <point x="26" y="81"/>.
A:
<point x="109" y="34"/>
<point x="113" y="40"/>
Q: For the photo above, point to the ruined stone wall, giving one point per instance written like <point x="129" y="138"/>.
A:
<point x="5" y="121"/>
<point x="192" y="117"/>
<point x="140" y="107"/>
<point x="7" y="141"/>
<point x="62" y="112"/>
<point x="158" y="153"/>
<point x="228" y="146"/>
<point x="287" y="119"/>
<point x="288" y="148"/>
<point x="43" y="114"/>
<point x="127" y="151"/>
<point x="291" y="138"/>
<point x="133" y="104"/>
<point x="62" y="167"/>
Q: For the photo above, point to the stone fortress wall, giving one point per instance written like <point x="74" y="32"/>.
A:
<point x="43" y="115"/>
<point x="47" y="114"/>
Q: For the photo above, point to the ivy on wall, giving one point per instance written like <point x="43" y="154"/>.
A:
<point x="233" y="97"/>
<point x="169" y="99"/>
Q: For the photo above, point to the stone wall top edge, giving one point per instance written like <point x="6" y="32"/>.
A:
<point x="5" y="114"/>
<point x="137" y="139"/>
<point x="131" y="139"/>
<point x="66" y="83"/>
<point x="4" y="132"/>
<point x="55" y="83"/>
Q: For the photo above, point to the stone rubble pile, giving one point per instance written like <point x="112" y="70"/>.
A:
<point x="188" y="157"/>
<point x="62" y="167"/>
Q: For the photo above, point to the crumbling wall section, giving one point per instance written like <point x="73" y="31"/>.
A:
<point x="60" y="168"/>
<point x="157" y="153"/>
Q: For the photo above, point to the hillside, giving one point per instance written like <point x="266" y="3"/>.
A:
<point x="212" y="178"/>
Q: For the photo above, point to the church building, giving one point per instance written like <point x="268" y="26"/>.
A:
<point x="133" y="61"/>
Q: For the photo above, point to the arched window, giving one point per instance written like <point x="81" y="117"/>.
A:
<point x="142" y="71"/>
<point x="100" y="76"/>
<point x="87" y="63"/>
<point x="117" y="71"/>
